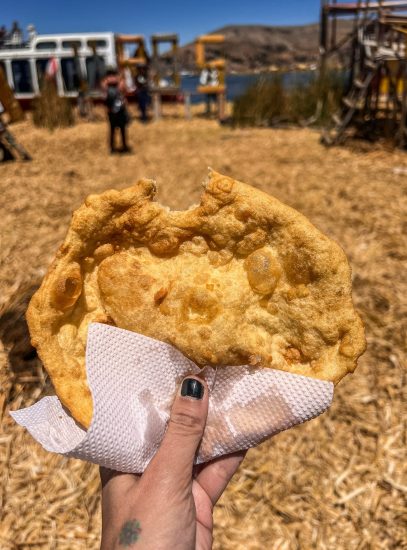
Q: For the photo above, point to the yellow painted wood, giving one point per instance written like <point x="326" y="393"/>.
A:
<point x="131" y="61"/>
<point x="384" y="85"/>
<point x="130" y="39"/>
<point x="200" y="54"/>
<point x="211" y="89"/>
<point x="211" y="38"/>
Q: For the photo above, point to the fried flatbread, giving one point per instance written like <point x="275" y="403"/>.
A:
<point x="239" y="279"/>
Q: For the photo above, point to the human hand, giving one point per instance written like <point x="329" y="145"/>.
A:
<point x="170" y="506"/>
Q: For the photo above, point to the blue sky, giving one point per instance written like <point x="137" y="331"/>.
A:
<point x="187" y="18"/>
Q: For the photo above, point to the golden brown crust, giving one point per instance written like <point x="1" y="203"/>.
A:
<point x="240" y="278"/>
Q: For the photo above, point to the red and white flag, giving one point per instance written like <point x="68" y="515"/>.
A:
<point x="52" y="68"/>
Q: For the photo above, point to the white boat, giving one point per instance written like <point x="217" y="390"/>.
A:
<point x="78" y="56"/>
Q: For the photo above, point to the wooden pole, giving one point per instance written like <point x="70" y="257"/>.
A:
<point x="333" y="33"/>
<point x="221" y="107"/>
<point x="187" y="104"/>
<point x="402" y="129"/>
<point x="323" y="35"/>
<point x="157" y="106"/>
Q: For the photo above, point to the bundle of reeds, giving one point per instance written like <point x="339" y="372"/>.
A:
<point x="51" y="111"/>
<point x="268" y="102"/>
<point x="263" y="104"/>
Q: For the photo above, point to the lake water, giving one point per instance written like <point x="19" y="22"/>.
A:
<point x="237" y="84"/>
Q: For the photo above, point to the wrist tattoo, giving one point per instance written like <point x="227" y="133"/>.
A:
<point x="129" y="533"/>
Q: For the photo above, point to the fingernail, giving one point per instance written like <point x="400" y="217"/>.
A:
<point x="191" y="387"/>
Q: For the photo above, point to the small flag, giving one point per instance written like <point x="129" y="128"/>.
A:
<point x="52" y="68"/>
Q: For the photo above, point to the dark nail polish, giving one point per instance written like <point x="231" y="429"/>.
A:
<point x="192" y="388"/>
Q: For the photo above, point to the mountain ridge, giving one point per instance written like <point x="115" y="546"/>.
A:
<point x="255" y="48"/>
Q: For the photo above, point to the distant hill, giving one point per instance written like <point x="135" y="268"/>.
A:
<point x="261" y="47"/>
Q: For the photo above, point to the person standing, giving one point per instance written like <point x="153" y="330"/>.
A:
<point x="142" y="92"/>
<point x="116" y="104"/>
<point x="208" y="78"/>
<point x="16" y="35"/>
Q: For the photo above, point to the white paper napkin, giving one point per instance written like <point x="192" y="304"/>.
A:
<point x="133" y="380"/>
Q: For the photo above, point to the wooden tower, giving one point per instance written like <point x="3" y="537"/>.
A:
<point x="219" y="65"/>
<point x="166" y="79"/>
<point x="374" y="103"/>
<point x="138" y="59"/>
<point x="172" y="76"/>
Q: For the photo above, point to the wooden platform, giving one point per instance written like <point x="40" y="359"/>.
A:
<point x="352" y="7"/>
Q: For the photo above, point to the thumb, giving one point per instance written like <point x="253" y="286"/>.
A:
<point x="184" y="432"/>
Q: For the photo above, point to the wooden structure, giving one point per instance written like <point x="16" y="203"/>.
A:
<point x="134" y="65"/>
<point x="9" y="102"/>
<point x="139" y="57"/>
<point x="160" y="72"/>
<point x="375" y="94"/>
<point x="166" y="79"/>
<point x="218" y="89"/>
<point x="9" y="146"/>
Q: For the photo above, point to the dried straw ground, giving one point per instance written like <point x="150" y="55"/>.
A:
<point x="338" y="482"/>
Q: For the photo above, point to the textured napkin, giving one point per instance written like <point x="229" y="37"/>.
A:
<point x="134" y="379"/>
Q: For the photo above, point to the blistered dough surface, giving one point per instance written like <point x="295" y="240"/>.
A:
<point x="239" y="279"/>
